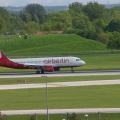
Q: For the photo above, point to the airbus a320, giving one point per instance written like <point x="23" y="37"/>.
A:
<point x="42" y="65"/>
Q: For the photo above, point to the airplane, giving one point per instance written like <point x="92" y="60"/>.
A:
<point x="42" y="65"/>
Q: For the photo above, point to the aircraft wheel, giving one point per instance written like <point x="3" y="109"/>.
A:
<point x="42" y="71"/>
<point x="72" y="70"/>
<point x="38" y="72"/>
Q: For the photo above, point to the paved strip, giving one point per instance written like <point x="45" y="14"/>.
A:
<point x="17" y="75"/>
<point x="60" y="84"/>
<point x="61" y="111"/>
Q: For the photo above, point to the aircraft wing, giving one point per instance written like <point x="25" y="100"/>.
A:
<point x="36" y="64"/>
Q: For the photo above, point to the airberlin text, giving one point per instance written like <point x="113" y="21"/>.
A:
<point x="56" y="61"/>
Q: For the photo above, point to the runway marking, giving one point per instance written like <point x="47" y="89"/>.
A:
<point x="61" y="111"/>
<point x="60" y="84"/>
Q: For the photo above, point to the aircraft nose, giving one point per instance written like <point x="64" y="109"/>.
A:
<point x="83" y="62"/>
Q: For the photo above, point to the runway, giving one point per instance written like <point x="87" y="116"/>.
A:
<point x="59" y="74"/>
<point x="61" y="111"/>
<point x="60" y="84"/>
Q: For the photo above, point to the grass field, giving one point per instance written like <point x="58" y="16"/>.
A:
<point x="100" y="116"/>
<point x="105" y="61"/>
<point x="48" y="45"/>
<point x="71" y="97"/>
<point x="4" y="81"/>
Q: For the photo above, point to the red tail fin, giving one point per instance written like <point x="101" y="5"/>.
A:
<point x="2" y="57"/>
<point x="6" y="62"/>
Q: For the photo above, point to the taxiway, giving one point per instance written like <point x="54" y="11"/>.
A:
<point x="60" y="84"/>
<point x="59" y="74"/>
<point x="61" y="111"/>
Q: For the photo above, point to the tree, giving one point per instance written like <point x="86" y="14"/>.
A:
<point x="4" y="18"/>
<point x="9" y="22"/>
<point x="15" y="24"/>
<point x="102" y="37"/>
<point x="60" y="20"/>
<point x="83" y="26"/>
<point x="75" y="8"/>
<point x="34" y="12"/>
<point x="114" y="40"/>
<point x="114" y="25"/>
<point x="31" y="27"/>
<point x="94" y="10"/>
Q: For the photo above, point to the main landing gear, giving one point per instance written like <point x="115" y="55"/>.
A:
<point x="72" y="70"/>
<point x="40" y="71"/>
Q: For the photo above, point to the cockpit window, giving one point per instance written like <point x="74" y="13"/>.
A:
<point x="77" y="59"/>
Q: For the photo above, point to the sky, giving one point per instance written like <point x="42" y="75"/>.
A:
<point x="51" y="2"/>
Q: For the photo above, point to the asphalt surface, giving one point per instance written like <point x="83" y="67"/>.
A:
<point x="61" y="111"/>
<point x="60" y="84"/>
<point x="59" y="74"/>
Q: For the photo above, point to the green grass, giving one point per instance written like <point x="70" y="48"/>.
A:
<point x="55" y="79"/>
<point x="49" y="45"/>
<point x="71" y="97"/>
<point x="103" y="116"/>
<point x="105" y="61"/>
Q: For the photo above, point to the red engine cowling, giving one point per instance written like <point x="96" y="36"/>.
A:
<point x="56" y="68"/>
<point x="49" y="68"/>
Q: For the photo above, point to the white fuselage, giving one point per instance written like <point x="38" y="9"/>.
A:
<point x="52" y="61"/>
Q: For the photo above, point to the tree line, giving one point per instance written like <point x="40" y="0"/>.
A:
<point x="92" y="21"/>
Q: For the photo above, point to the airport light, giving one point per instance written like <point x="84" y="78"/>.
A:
<point x="86" y="116"/>
<point x="46" y="98"/>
